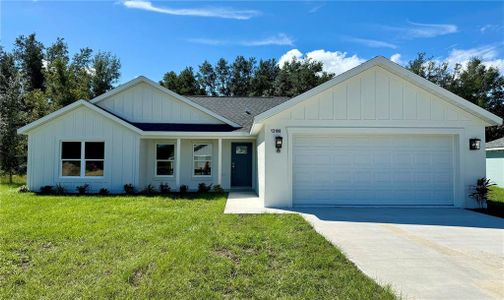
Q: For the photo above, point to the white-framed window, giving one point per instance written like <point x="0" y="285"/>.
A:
<point x="82" y="159"/>
<point x="202" y="159"/>
<point x="165" y="159"/>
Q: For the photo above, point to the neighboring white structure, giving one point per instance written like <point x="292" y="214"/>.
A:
<point x="495" y="161"/>
<point x="375" y="135"/>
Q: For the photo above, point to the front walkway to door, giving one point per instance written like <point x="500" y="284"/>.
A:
<point x="247" y="202"/>
<point x="423" y="253"/>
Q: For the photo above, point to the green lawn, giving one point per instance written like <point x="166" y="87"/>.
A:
<point x="497" y="194"/>
<point x="154" y="247"/>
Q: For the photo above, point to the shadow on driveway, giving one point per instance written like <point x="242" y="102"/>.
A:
<point x="417" y="216"/>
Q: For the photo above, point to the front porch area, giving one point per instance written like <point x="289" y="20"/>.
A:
<point x="228" y="162"/>
<point x="247" y="202"/>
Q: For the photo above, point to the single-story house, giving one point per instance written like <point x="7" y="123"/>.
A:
<point x="374" y="135"/>
<point x="495" y="161"/>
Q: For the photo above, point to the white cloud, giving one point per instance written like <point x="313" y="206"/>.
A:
<point x="211" y="42"/>
<point x="490" y="27"/>
<point x="212" y="12"/>
<point x="373" y="43"/>
<point x="423" y="30"/>
<point x="280" y="39"/>
<point x="488" y="54"/>
<point x="397" y="59"/>
<point x="334" y="62"/>
<point x="315" y="9"/>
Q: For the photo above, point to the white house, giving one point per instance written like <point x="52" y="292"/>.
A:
<point x="495" y="161"/>
<point x="374" y="135"/>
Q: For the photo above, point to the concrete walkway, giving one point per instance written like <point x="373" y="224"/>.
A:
<point x="423" y="253"/>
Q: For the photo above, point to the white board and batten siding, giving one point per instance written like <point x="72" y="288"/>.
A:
<point x="372" y="109"/>
<point x="144" y="104"/>
<point x="83" y="124"/>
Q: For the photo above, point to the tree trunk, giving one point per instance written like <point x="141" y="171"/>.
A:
<point x="10" y="177"/>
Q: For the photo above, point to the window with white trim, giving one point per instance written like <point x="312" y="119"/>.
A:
<point x="165" y="159"/>
<point x="202" y="159"/>
<point x="82" y="159"/>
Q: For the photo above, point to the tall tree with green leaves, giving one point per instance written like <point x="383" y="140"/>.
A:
<point x="187" y="84"/>
<point x="300" y="75"/>
<point x="482" y="85"/>
<point x="57" y="74"/>
<point x="170" y="81"/>
<point x="263" y="82"/>
<point x="223" y="75"/>
<point x="242" y="72"/>
<point x="80" y="74"/>
<point x="106" y="71"/>
<point x="29" y="53"/>
<point x="11" y="118"/>
<point x="207" y="78"/>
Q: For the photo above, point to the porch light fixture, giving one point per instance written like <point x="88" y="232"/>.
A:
<point x="278" y="143"/>
<point x="474" y="144"/>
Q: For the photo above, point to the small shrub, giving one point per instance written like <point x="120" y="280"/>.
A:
<point x="23" y="189"/>
<point x="480" y="191"/>
<point x="59" y="189"/>
<point x="82" y="189"/>
<point x="164" y="188"/>
<point x="149" y="190"/>
<point x="218" y="189"/>
<point x="47" y="189"/>
<point x="129" y="189"/>
<point x="203" y="188"/>
<point x="103" y="191"/>
<point x="183" y="189"/>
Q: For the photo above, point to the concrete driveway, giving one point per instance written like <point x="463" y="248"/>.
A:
<point x="422" y="253"/>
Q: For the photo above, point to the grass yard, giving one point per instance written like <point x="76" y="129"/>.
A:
<point x="153" y="247"/>
<point x="497" y="194"/>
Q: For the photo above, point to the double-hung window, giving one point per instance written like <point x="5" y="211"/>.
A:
<point x="165" y="159"/>
<point x="202" y="159"/>
<point x="82" y="159"/>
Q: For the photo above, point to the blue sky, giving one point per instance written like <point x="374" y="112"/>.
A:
<point x="151" y="38"/>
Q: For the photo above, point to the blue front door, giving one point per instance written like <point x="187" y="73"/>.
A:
<point x="241" y="164"/>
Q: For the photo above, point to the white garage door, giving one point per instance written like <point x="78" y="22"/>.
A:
<point x="373" y="170"/>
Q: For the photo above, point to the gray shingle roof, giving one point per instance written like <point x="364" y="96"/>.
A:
<point x="240" y="110"/>
<point x="499" y="143"/>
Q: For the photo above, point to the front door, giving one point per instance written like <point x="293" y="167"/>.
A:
<point x="241" y="164"/>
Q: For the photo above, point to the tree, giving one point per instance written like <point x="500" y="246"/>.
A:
<point x="8" y="70"/>
<point x="207" y="78"/>
<point x="106" y="71"/>
<point x="80" y="74"/>
<point x="436" y="72"/>
<point x="298" y="76"/>
<point x="263" y="82"/>
<point x="30" y="55"/>
<point x="58" y="84"/>
<point x="10" y="120"/>
<point x="222" y="74"/>
<point x="187" y="83"/>
<point x="482" y="85"/>
<point x="170" y="81"/>
<point x="242" y="71"/>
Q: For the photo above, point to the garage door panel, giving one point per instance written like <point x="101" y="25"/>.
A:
<point x="373" y="170"/>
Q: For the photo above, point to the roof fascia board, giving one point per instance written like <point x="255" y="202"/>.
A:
<point x="165" y="91"/>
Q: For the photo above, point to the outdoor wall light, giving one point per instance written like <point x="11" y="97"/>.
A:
<point x="278" y="143"/>
<point x="474" y="144"/>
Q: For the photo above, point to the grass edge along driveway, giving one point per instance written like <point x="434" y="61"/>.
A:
<point x="155" y="247"/>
